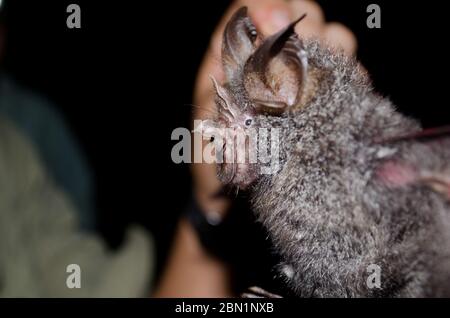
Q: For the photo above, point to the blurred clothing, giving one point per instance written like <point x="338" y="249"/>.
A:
<point x="57" y="148"/>
<point x="40" y="237"/>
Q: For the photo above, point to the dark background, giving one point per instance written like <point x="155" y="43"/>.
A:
<point x="124" y="82"/>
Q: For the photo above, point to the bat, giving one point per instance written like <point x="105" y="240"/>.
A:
<point x="358" y="183"/>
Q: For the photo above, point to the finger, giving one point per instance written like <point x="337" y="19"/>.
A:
<point x="338" y="36"/>
<point x="269" y="16"/>
<point x="314" y="23"/>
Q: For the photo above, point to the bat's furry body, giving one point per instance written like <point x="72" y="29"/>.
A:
<point x="334" y="207"/>
<point x="329" y="215"/>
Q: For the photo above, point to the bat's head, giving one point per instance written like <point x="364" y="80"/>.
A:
<point x="264" y="77"/>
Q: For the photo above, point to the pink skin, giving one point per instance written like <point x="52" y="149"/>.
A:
<point x="396" y="174"/>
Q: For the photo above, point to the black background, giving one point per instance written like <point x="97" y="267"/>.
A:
<point x="124" y="82"/>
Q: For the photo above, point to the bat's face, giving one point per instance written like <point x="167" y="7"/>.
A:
<point x="263" y="78"/>
<point x="239" y="122"/>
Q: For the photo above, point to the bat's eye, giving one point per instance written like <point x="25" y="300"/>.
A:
<point x="248" y="122"/>
<point x="211" y="139"/>
<point x="253" y="34"/>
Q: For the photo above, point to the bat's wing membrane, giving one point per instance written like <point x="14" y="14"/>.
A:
<point x="424" y="159"/>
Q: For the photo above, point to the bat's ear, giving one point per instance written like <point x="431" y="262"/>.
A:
<point x="274" y="76"/>
<point x="238" y="42"/>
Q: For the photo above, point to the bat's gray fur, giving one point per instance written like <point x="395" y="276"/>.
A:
<point x="327" y="212"/>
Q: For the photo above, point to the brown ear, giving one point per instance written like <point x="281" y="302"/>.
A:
<point x="238" y="42"/>
<point x="224" y="106"/>
<point x="275" y="74"/>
